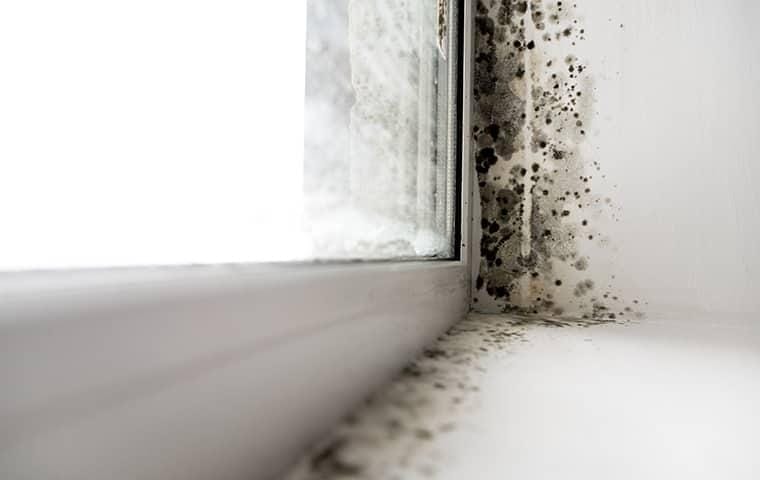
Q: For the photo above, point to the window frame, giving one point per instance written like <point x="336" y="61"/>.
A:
<point x="225" y="371"/>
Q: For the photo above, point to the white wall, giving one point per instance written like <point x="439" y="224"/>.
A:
<point x="670" y="114"/>
<point x="677" y="136"/>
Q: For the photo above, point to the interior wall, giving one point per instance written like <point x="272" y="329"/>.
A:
<point x="669" y="152"/>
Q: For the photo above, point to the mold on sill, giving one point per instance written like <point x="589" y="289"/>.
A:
<point x="396" y="433"/>
<point x="501" y="396"/>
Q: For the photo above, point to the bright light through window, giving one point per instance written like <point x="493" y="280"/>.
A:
<point x="162" y="132"/>
<point x="150" y="132"/>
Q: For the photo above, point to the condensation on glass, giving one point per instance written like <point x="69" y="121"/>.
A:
<point x="161" y="132"/>
<point x="380" y="123"/>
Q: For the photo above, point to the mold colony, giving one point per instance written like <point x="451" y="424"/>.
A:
<point x="533" y="105"/>
<point x="395" y="434"/>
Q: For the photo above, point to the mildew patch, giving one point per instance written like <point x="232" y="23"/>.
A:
<point x="533" y="108"/>
<point x="443" y="26"/>
<point x="401" y="432"/>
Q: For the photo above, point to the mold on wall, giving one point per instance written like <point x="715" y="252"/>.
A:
<point x="679" y="155"/>
<point x="534" y="104"/>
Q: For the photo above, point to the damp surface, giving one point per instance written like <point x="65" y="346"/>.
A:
<point x="498" y="395"/>
<point x="400" y="431"/>
<point x="534" y="106"/>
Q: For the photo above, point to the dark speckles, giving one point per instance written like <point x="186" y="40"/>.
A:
<point x="583" y="287"/>
<point x="485" y="25"/>
<point x="581" y="264"/>
<point x="493" y="130"/>
<point x="328" y="461"/>
<point x="485" y="159"/>
<point x="434" y="352"/>
<point x="418" y="407"/>
<point x="531" y="168"/>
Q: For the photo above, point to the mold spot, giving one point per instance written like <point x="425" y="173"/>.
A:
<point x="533" y="103"/>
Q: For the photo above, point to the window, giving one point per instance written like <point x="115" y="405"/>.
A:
<point x="159" y="133"/>
<point x="169" y="133"/>
<point x="380" y="129"/>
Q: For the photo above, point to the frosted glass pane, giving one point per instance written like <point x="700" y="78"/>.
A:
<point x="379" y="170"/>
<point x="162" y="132"/>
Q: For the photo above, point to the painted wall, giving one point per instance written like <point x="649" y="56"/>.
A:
<point x="648" y="110"/>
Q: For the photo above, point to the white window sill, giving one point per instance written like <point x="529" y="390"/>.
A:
<point x="188" y="372"/>
<point x="671" y="397"/>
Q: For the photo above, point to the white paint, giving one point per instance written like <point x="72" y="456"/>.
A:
<point x="678" y="112"/>
<point x="669" y="397"/>
<point x="197" y="373"/>
<point x="665" y="398"/>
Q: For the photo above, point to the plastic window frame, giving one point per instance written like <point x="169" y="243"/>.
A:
<point x="178" y="372"/>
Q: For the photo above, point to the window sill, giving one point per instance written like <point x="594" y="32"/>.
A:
<point x="179" y="373"/>
<point x="503" y="397"/>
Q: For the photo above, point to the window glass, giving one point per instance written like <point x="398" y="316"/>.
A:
<point x="163" y="132"/>
<point x="378" y="167"/>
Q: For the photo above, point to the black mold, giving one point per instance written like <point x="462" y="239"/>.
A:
<point x="443" y="380"/>
<point x="532" y="177"/>
<point x="328" y="461"/>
